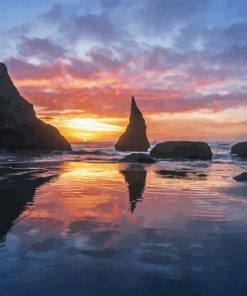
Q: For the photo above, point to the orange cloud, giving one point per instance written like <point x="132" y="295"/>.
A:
<point x="89" y="105"/>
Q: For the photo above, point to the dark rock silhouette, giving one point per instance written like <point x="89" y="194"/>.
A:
<point x="182" y="150"/>
<point x="135" y="177"/>
<point x="134" y="138"/>
<point x="240" y="149"/>
<point x="15" y="193"/>
<point x="20" y="129"/>
<point x="138" y="158"/>
<point x="241" y="178"/>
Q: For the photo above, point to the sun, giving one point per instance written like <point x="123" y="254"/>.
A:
<point x="86" y="129"/>
<point x="91" y="124"/>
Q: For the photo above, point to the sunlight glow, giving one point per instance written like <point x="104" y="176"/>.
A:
<point x="88" y="124"/>
<point x="88" y="128"/>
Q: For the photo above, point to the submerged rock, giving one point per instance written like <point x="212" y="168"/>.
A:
<point x="20" y="129"/>
<point x="134" y="138"/>
<point x="138" y="158"/>
<point x="241" y="178"/>
<point x="240" y="149"/>
<point x="182" y="150"/>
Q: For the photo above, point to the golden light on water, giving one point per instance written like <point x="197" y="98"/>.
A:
<point x="82" y="171"/>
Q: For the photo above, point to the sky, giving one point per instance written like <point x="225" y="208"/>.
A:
<point x="79" y="63"/>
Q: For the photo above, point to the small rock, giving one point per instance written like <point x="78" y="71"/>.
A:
<point x="241" y="178"/>
<point x="138" y="158"/>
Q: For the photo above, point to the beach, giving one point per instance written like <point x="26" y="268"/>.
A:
<point x="80" y="222"/>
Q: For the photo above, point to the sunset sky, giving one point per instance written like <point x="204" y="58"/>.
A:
<point x="79" y="63"/>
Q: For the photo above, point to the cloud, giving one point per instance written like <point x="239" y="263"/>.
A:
<point x="158" y="16"/>
<point x="235" y="55"/>
<point x="105" y="100"/>
<point x="162" y="59"/>
<point x="176" y="56"/>
<point x="94" y="26"/>
<point x="82" y="69"/>
<point x="54" y="14"/>
<point x="20" y="69"/>
<point x="109" y="4"/>
<point x="103" y="57"/>
<point x="40" y="48"/>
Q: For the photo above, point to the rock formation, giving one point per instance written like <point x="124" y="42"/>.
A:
<point x="182" y="150"/>
<point x="240" y="149"/>
<point x="20" y="129"/>
<point x="134" y="138"/>
<point x="138" y="158"/>
<point x="241" y="178"/>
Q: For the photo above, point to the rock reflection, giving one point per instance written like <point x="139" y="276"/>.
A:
<point x="135" y="177"/>
<point x="17" y="190"/>
<point x="189" y="175"/>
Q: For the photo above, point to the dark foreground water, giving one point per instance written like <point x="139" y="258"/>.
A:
<point x="83" y="224"/>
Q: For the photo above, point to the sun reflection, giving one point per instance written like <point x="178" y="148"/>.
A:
<point x="89" y="170"/>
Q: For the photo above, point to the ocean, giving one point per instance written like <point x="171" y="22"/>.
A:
<point x="82" y="223"/>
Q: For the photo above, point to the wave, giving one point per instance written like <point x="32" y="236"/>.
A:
<point x="106" y="153"/>
<point x="94" y="152"/>
<point x="87" y="152"/>
<point x="100" y="159"/>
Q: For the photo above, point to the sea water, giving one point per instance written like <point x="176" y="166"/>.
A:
<point x="82" y="223"/>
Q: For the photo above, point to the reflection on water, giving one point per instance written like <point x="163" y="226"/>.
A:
<point x="86" y="233"/>
<point x="181" y="174"/>
<point x="135" y="177"/>
<point x="17" y="189"/>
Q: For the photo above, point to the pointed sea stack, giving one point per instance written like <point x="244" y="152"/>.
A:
<point x="20" y="129"/>
<point x="135" y="137"/>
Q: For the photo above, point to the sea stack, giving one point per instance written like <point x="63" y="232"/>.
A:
<point x="240" y="149"/>
<point x="20" y="129"/>
<point x="182" y="150"/>
<point x="135" y="137"/>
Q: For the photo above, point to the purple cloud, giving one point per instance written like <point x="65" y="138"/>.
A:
<point x="40" y="48"/>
